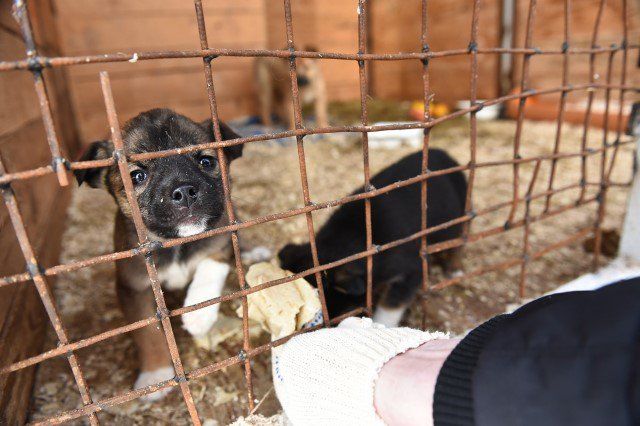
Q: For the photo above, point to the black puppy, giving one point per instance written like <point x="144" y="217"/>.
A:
<point x="396" y="272"/>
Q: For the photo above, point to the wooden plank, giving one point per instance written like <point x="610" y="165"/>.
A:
<point x="17" y="87"/>
<point x="83" y="8"/>
<point x="549" y="33"/>
<point x="395" y="27"/>
<point x="41" y="201"/>
<point x="138" y="93"/>
<point x="120" y="70"/>
<point x="23" y="318"/>
<point x="126" y="33"/>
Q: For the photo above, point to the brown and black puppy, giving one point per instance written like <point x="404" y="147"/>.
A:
<point x="179" y="196"/>
<point x="274" y="89"/>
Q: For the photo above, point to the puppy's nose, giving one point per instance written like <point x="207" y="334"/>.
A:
<point x="184" y="195"/>
<point x="303" y="80"/>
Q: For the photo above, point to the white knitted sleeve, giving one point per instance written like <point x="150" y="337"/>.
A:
<point x="328" y="377"/>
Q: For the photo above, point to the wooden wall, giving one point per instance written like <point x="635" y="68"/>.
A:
<point x="101" y="26"/>
<point x="548" y="32"/>
<point x="42" y="202"/>
<point x="324" y="25"/>
<point x="396" y="27"/>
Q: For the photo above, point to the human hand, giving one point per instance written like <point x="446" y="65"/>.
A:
<point x="329" y="376"/>
<point x="404" y="389"/>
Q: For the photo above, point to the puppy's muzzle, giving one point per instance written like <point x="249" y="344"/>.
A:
<point x="303" y="81"/>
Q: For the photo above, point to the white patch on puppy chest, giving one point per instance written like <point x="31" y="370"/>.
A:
<point x="207" y="283"/>
<point x="147" y="378"/>
<point x="189" y="230"/>
<point x="388" y="317"/>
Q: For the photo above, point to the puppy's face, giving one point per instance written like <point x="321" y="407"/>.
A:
<point x="307" y="70"/>
<point x="178" y="196"/>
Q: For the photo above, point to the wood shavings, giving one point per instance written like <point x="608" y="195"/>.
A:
<point x="221" y="396"/>
<point x="266" y="180"/>
<point x="225" y="328"/>
<point x="259" y="420"/>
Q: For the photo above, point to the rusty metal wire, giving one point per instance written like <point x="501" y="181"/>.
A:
<point x="563" y="96"/>
<point x="120" y="156"/>
<point x="524" y="86"/>
<point x="62" y="61"/>
<point x="208" y="73"/>
<point x="426" y="98"/>
<point x="364" y="119"/>
<point x="35" y="63"/>
<point x="57" y="161"/>
<point x="297" y="114"/>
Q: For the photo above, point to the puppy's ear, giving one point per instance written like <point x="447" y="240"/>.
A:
<point x="295" y="257"/>
<point x="99" y="150"/>
<point x="231" y="152"/>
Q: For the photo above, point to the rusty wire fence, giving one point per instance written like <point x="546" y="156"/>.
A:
<point x="60" y="165"/>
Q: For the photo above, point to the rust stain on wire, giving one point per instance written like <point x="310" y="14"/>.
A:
<point x="590" y="95"/>
<point x="208" y="73"/>
<point x="297" y="112"/>
<point x="63" y="61"/>
<point x="120" y="157"/>
<point x="364" y="119"/>
<point x="563" y="97"/>
<point x="524" y="87"/>
<point x="58" y="162"/>
<point x="426" y="99"/>
<point x="35" y="273"/>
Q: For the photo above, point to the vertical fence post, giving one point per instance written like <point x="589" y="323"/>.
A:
<point x="226" y="188"/>
<point x="630" y="239"/>
<point x="364" y="119"/>
<point x="426" y="98"/>
<point x="297" y="113"/>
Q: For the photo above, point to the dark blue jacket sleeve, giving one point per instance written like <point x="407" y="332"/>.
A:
<point x="564" y="359"/>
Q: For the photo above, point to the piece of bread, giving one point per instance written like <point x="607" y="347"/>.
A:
<point x="284" y="308"/>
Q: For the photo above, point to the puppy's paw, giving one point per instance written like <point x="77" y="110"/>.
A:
<point x="147" y="378"/>
<point x="199" y="322"/>
<point x="207" y="284"/>
<point x="389" y="317"/>
<point x="359" y="323"/>
<point x="257" y="254"/>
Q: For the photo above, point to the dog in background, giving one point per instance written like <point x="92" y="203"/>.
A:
<point x="274" y="89"/>
<point x="179" y="196"/>
<point x="397" y="272"/>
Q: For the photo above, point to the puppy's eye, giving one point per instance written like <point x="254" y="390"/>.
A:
<point x="138" y="176"/>
<point x="206" y="161"/>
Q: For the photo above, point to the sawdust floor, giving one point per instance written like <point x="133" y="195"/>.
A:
<point x="266" y="180"/>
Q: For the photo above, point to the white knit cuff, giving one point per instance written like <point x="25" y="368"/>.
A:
<point x="328" y="376"/>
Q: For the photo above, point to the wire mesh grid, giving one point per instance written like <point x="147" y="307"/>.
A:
<point x="35" y="64"/>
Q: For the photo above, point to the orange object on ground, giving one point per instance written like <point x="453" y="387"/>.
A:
<point x="547" y="108"/>
<point x="436" y="110"/>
